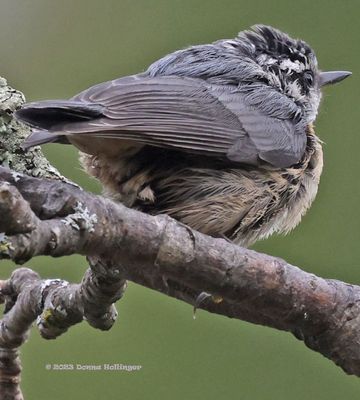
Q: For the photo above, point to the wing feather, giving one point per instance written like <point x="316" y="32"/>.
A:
<point x="245" y="124"/>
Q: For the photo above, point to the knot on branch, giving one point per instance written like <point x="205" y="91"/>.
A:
<point x="175" y="247"/>
<point x="16" y="214"/>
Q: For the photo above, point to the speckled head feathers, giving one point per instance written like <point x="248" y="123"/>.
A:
<point x="262" y="39"/>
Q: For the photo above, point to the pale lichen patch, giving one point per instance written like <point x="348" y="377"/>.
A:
<point x="81" y="219"/>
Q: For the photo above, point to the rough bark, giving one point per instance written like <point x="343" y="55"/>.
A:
<point x="42" y="216"/>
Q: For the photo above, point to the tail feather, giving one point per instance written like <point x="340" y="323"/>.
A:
<point x="46" y="115"/>
<point x="41" y="137"/>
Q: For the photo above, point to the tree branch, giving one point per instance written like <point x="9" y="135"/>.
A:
<point x="164" y="255"/>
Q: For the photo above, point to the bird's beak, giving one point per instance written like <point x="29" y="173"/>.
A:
<point x="331" y="77"/>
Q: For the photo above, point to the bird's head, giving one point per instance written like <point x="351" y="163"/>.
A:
<point x="287" y="64"/>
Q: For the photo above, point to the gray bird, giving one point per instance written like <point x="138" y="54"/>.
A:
<point x="219" y="136"/>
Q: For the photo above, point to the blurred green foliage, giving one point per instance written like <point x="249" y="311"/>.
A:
<point x="53" y="49"/>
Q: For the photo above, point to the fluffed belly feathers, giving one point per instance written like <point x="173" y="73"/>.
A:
<point x="241" y="203"/>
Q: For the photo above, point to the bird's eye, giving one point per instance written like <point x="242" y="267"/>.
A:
<point x="309" y="78"/>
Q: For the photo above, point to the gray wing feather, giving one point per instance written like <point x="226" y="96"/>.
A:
<point x="244" y="124"/>
<point x="168" y="111"/>
<point x="275" y="130"/>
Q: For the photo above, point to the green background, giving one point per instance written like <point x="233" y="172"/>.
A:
<point x="53" y="49"/>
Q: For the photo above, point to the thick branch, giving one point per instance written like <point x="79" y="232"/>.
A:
<point x="164" y="255"/>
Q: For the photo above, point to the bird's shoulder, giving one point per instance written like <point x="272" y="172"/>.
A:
<point x="221" y="62"/>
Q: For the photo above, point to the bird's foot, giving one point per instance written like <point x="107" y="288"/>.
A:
<point x="202" y="297"/>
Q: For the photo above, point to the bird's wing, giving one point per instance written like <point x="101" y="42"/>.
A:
<point x="172" y="112"/>
<point x="273" y="123"/>
<point x="186" y="114"/>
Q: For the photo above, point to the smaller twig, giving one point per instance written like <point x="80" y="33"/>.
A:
<point x="102" y="286"/>
<point x="10" y="369"/>
<point x="14" y="329"/>
<point x="56" y="305"/>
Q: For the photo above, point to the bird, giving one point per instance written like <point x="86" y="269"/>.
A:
<point x="219" y="136"/>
